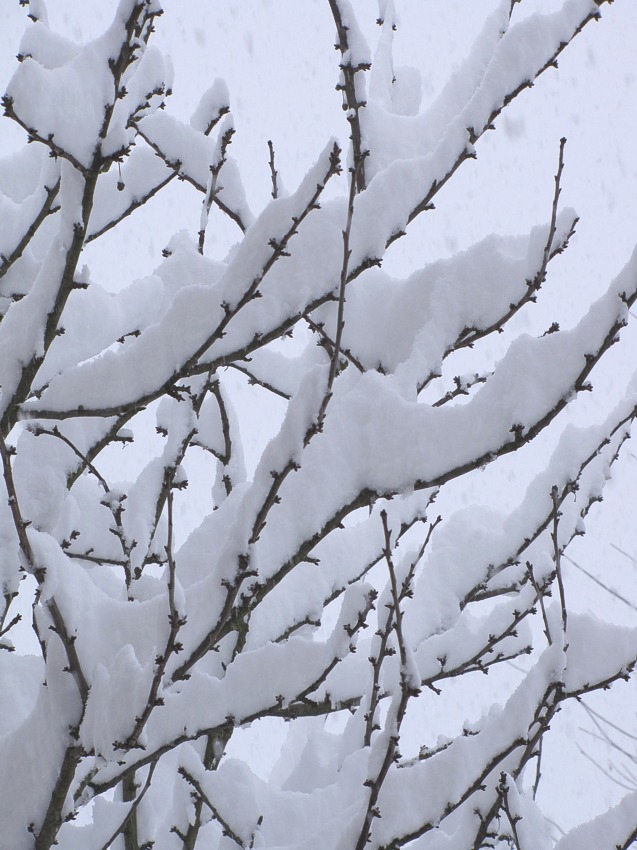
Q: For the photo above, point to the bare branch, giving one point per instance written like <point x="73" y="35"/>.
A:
<point x="227" y="829"/>
<point x="176" y="167"/>
<point x="557" y="556"/>
<point x="135" y="799"/>
<point x="351" y="102"/>
<point x="273" y="172"/>
<point x="45" y="210"/>
<point x="135" y="204"/>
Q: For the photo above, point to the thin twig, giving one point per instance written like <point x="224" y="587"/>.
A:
<point x="601" y="583"/>
<point x="213" y="189"/>
<point x="538" y="768"/>
<point x="340" y="317"/>
<point x="351" y="102"/>
<point x="260" y="382"/>
<point x="340" y="320"/>
<point x="606" y="773"/>
<point x="463" y="385"/>
<point x="407" y="690"/>
<point x="45" y="210"/>
<point x="227" y="829"/>
<point x="557" y="555"/>
<point x="226" y="457"/>
<point x="133" y="809"/>
<point x="503" y="790"/>
<point x="135" y="204"/>
<point x="273" y="172"/>
<point x="177" y="168"/>
<point x="330" y="347"/>
<point x="175" y="621"/>
<point x="605" y="738"/>
<point x="540" y="596"/>
<point x="556" y="197"/>
<point x="621" y="551"/>
<point x="40" y="430"/>
<point x="592" y="713"/>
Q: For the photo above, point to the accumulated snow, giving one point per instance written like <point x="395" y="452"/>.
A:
<point x="118" y="693"/>
<point x="605" y="832"/>
<point x="293" y="557"/>
<point x="40" y="470"/>
<point x="408" y="326"/>
<point x="166" y="347"/>
<point x="192" y="153"/>
<point x="21" y="202"/>
<point x="414" y="796"/>
<point x="597" y="651"/>
<point x="140" y="173"/>
<point x="145" y="82"/>
<point x="22" y="329"/>
<point x="262" y="678"/>
<point x="106" y="817"/>
<point x="21" y="677"/>
<point x="62" y="91"/>
<point x="97" y="321"/>
<point x="148" y="490"/>
<point x="212" y="104"/>
<point x="411" y="156"/>
<point x="289" y="818"/>
<point x="37" y="746"/>
<point x="180" y="145"/>
<point x="391" y="444"/>
<point x="49" y="48"/>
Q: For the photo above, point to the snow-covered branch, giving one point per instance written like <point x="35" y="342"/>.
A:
<point x="249" y="627"/>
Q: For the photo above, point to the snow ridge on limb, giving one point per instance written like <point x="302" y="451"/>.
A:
<point x="87" y="156"/>
<point x="448" y="305"/>
<point x="412" y="179"/>
<point x="437" y="784"/>
<point x="94" y="122"/>
<point x="615" y="828"/>
<point x="24" y="215"/>
<point x="190" y="154"/>
<point x="355" y="60"/>
<point x="207" y="313"/>
<point x="379" y="432"/>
